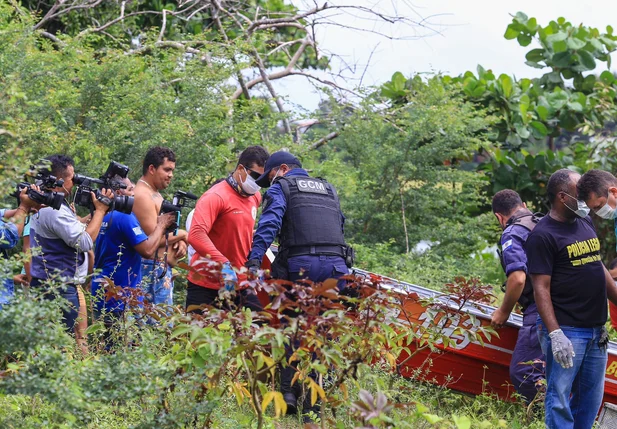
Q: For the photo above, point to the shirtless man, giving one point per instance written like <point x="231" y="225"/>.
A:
<point x="158" y="168"/>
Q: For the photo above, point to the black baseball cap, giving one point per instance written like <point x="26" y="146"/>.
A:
<point x="276" y="160"/>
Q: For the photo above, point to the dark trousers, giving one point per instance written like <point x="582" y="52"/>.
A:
<point x="67" y="292"/>
<point x="526" y="377"/>
<point x="110" y="320"/>
<point x="316" y="268"/>
<point x="199" y="295"/>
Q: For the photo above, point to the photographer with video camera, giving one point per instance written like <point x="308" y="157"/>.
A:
<point x="63" y="240"/>
<point x="119" y="248"/>
<point x="10" y="231"/>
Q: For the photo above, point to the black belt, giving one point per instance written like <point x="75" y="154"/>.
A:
<point x="317" y="250"/>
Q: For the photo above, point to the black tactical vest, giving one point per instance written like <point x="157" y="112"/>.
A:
<point x="529" y="220"/>
<point x="313" y="219"/>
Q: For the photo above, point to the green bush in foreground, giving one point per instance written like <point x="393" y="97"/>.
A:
<point x="218" y="370"/>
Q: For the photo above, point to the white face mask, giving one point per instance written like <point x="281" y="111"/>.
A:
<point x="249" y="185"/>
<point x="581" y="208"/>
<point x="275" y="176"/>
<point x="607" y="212"/>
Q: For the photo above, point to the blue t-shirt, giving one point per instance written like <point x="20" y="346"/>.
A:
<point x="570" y="254"/>
<point x="120" y="233"/>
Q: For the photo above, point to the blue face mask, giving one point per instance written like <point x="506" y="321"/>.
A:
<point x="607" y="212"/>
<point x="582" y="210"/>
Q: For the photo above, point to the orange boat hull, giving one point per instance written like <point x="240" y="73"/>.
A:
<point x="466" y="365"/>
<point x="469" y="366"/>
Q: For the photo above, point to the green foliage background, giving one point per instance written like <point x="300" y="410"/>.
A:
<point x="415" y="161"/>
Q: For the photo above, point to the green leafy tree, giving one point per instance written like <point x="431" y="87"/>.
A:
<point x="400" y="168"/>
<point x="532" y="109"/>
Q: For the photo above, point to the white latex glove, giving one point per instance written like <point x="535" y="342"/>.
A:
<point x="563" y="352"/>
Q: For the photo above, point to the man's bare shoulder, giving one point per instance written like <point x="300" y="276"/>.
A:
<point x="146" y="202"/>
<point x="142" y="191"/>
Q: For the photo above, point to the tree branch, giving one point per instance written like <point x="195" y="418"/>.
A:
<point x="283" y="46"/>
<point x="53" y="14"/>
<point x="53" y="38"/>
<point x="322" y="141"/>
<point x="323" y="81"/>
<point x="244" y="90"/>
<point x="292" y="19"/>
<point x="276" y="75"/>
<point x="163" y="44"/>
<point x="162" y="33"/>
<point x="8" y="133"/>
<point x="400" y="189"/>
<point x="266" y="80"/>
<point x="115" y="21"/>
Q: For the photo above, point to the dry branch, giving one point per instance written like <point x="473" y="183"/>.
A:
<point x="225" y="12"/>
<point x="53" y="38"/>
<point x="322" y="141"/>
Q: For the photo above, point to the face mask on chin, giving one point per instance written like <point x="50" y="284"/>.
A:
<point x="582" y="210"/>
<point x="275" y="176"/>
<point x="607" y="212"/>
<point x="249" y="185"/>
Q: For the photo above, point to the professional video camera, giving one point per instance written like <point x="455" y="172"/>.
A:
<point x="46" y="182"/>
<point x="109" y="180"/>
<point x="179" y="201"/>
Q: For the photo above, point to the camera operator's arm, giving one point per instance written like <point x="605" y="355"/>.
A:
<point x="181" y="236"/>
<point x="26" y="205"/>
<point x="100" y="209"/>
<point x="177" y="252"/>
<point x="75" y="234"/>
<point x="146" y="209"/>
<point x="147" y="248"/>
<point x="26" y="249"/>
<point x="180" y="249"/>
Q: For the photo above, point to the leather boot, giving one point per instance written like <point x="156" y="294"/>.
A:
<point x="287" y="375"/>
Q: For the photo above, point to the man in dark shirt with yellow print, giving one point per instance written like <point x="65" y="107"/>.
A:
<point x="570" y="288"/>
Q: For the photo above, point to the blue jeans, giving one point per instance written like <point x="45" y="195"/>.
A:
<point x="157" y="285"/>
<point x="7" y="290"/>
<point x="70" y="312"/>
<point x="574" y="395"/>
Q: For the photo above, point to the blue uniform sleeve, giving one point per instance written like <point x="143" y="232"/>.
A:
<point x="513" y="249"/>
<point x="270" y="222"/>
<point x="130" y="228"/>
<point x="8" y="235"/>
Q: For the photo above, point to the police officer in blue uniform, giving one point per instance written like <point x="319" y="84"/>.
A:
<point x="517" y="222"/>
<point x="304" y="212"/>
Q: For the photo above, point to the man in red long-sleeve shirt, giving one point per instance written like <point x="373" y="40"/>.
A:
<point x="222" y="232"/>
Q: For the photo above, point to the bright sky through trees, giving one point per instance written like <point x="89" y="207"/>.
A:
<point x="460" y="35"/>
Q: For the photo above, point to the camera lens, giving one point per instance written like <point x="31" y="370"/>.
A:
<point x="54" y="199"/>
<point x="123" y="204"/>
